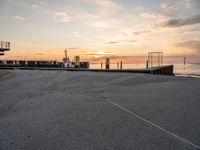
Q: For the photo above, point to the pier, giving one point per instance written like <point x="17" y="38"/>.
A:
<point x="162" y="70"/>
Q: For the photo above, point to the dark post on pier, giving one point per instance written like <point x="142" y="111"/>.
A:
<point x="107" y="63"/>
<point x="121" y="65"/>
<point x="184" y="61"/>
<point x="147" y="64"/>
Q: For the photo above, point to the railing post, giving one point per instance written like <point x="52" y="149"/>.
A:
<point x="118" y="65"/>
<point x="147" y="64"/>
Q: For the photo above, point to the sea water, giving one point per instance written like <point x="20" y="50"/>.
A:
<point x="192" y="70"/>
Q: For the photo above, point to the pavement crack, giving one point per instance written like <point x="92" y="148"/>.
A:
<point x="183" y="140"/>
<point x="8" y="110"/>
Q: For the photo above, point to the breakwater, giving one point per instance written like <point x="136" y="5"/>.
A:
<point x="162" y="70"/>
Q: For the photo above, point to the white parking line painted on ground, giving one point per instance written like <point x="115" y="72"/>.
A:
<point x="153" y="124"/>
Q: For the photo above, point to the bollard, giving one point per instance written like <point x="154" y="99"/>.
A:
<point x="121" y="65"/>
<point x="184" y="62"/>
<point x="101" y="65"/>
<point x="107" y="63"/>
<point x="147" y="64"/>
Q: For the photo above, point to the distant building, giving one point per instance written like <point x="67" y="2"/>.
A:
<point x="77" y="61"/>
<point x="107" y="63"/>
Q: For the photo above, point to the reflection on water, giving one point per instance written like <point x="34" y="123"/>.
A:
<point x="179" y="69"/>
<point x="188" y="69"/>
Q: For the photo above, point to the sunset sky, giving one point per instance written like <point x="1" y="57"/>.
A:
<point x="94" y="29"/>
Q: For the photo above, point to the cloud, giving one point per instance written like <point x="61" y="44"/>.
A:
<point x="103" y="16"/>
<point x="103" y="23"/>
<point x="181" y="22"/>
<point x="106" y="3"/>
<point x="75" y="33"/>
<point x="153" y="15"/>
<point x="100" y="53"/>
<point x="36" y="7"/>
<point x="125" y="58"/>
<point x="141" y="32"/>
<point x="113" y="42"/>
<point x="180" y="13"/>
<point x="39" y="54"/>
<point x="131" y="41"/>
<point x="62" y="17"/>
<point x="20" y="18"/>
<point x="109" y="4"/>
<point x="72" y="48"/>
<point x="166" y="6"/>
<point x="106" y="6"/>
<point x="179" y="7"/>
<point x="191" y="44"/>
<point x="118" y="42"/>
<point x="188" y="3"/>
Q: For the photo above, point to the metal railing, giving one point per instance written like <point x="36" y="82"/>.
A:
<point x="117" y="65"/>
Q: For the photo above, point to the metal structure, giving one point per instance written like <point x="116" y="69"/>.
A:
<point x="155" y="59"/>
<point x="4" y="46"/>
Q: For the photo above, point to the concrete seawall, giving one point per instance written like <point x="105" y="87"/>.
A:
<point x="163" y="70"/>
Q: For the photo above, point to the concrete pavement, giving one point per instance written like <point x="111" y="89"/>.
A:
<point x="71" y="110"/>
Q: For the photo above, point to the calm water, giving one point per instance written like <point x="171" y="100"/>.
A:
<point x="179" y="69"/>
<point x="188" y="70"/>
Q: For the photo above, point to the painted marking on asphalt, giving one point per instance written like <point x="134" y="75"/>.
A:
<point x="154" y="125"/>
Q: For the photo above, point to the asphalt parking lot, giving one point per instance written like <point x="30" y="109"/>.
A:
<point x="94" y="111"/>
